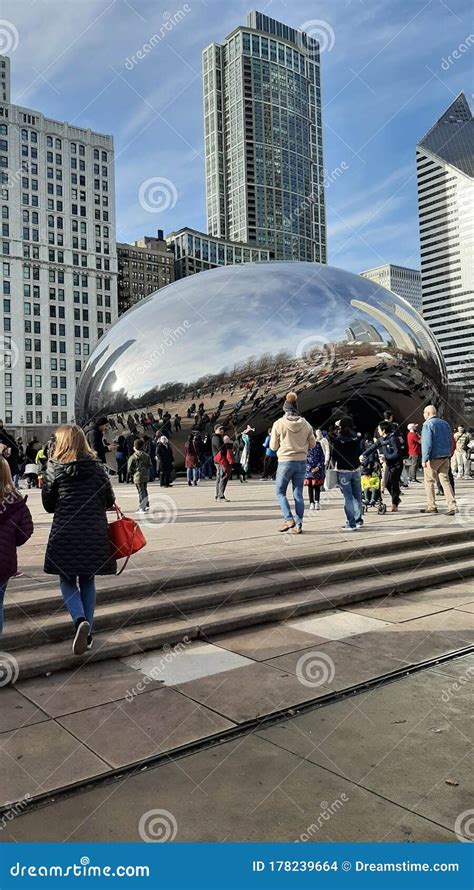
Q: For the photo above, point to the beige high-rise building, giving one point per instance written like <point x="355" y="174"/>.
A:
<point x="402" y="281"/>
<point x="143" y="267"/>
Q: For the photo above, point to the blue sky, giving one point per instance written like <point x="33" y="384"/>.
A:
<point x="388" y="72"/>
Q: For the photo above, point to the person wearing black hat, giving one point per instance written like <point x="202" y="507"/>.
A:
<point x="291" y="436"/>
<point x="95" y="432"/>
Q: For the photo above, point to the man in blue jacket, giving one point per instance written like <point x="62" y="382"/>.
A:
<point x="436" y="449"/>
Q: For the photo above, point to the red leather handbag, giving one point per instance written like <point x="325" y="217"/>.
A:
<point x="125" y="536"/>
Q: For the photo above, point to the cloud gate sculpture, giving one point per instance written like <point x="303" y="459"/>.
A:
<point x="229" y="343"/>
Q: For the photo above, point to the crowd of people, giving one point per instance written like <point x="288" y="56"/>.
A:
<point x="72" y="470"/>
<point x="364" y="466"/>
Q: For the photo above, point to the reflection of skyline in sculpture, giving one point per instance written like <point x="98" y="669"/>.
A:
<point x="237" y="338"/>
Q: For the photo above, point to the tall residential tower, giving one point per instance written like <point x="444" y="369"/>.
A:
<point x="263" y="140"/>
<point x="445" y="169"/>
<point x="58" y="275"/>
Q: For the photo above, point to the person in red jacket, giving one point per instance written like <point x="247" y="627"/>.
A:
<point x="16" y="526"/>
<point x="414" y="451"/>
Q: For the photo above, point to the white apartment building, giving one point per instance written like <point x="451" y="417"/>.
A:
<point x="402" y="281"/>
<point x="445" y="169"/>
<point x="58" y="266"/>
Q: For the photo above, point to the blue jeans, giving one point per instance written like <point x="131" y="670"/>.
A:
<point x="3" y="587"/>
<point x="192" y="474"/>
<point x="291" y="471"/>
<point x="205" y="470"/>
<point x="80" y="600"/>
<point x="349" y="483"/>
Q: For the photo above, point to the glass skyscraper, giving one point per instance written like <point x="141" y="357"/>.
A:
<point x="263" y="140"/>
<point x="445" y="170"/>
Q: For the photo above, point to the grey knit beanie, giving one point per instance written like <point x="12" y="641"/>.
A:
<point x="290" y="405"/>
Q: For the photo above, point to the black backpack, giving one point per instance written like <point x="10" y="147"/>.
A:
<point x="392" y="449"/>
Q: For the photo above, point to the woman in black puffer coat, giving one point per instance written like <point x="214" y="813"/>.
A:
<point x="77" y="489"/>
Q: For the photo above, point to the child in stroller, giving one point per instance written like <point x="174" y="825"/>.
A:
<point x="371" y="484"/>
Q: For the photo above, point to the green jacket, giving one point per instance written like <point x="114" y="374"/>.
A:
<point x="139" y="466"/>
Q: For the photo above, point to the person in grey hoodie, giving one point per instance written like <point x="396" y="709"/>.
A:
<point x="291" y="436"/>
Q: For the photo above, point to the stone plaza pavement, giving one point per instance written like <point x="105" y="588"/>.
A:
<point x="66" y="730"/>
<point x="391" y="764"/>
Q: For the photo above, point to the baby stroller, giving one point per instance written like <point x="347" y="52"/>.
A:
<point x="373" y="498"/>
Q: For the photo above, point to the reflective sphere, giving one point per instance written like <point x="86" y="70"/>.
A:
<point x="229" y="343"/>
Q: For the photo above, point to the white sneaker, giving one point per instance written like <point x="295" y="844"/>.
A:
<point x="312" y="507"/>
<point x="139" y="510"/>
<point x="317" y="506"/>
<point x="348" y="528"/>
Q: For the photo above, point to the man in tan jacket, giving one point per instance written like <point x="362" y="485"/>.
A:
<point x="291" y="436"/>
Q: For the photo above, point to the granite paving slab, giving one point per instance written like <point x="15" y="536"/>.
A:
<point x="242" y="791"/>
<point x="126" y="732"/>
<point x="337" y="625"/>
<point x="250" y="692"/>
<point x="357" y="735"/>
<point x="335" y="665"/>
<point x="266" y="642"/>
<point x="16" y="711"/>
<point x="40" y="758"/>
<point x="196" y="659"/>
<point x="451" y="621"/>
<point x="403" y="643"/>
<point x="88" y="685"/>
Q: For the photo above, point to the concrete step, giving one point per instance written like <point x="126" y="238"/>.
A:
<point x="127" y="610"/>
<point x="23" y="600"/>
<point x="204" y="623"/>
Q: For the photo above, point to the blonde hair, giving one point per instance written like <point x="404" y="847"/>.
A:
<point x="70" y="444"/>
<point x="7" y="489"/>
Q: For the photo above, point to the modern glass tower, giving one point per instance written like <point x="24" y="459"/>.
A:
<point x="445" y="170"/>
<point x="263" y="139"/>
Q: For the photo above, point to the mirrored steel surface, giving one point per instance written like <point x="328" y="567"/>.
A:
<point x="234" y="340"/>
